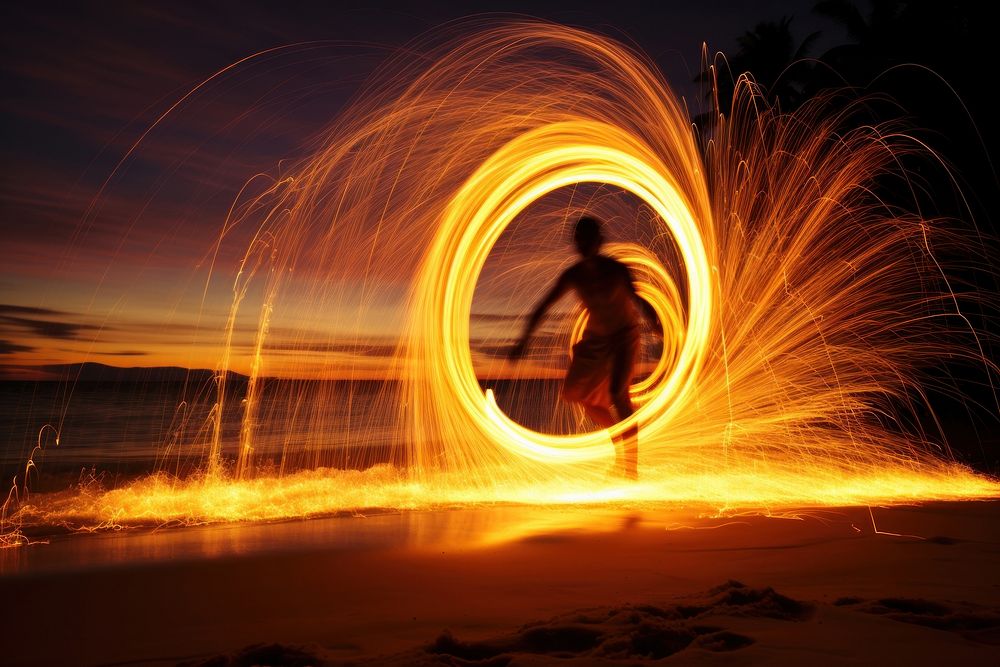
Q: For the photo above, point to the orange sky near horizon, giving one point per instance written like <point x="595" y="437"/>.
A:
<point x="113" y="208"/>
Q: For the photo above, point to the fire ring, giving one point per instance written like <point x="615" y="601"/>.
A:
<point x="526" y="168"/>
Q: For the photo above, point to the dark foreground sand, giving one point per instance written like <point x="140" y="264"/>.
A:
<point x="517" y="586"/>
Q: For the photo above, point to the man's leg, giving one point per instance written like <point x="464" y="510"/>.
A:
<point x="599" y="414"/>
<point x="628" y="442"/>
<point x="578" y="387"/>
<point x="621" y="378"/>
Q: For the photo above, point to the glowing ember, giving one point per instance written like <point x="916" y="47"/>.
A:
<point x="798" y="311"/>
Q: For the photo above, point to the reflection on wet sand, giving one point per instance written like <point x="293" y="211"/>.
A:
<point x="450" y="530"/>
<point x="417" y="530"/>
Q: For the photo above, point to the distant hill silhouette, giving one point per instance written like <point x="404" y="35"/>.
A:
<point x="90" y="371"/>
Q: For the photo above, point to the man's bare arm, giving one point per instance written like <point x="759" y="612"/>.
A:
<point x="558" y="290"/>
<point x="644" y="307"/>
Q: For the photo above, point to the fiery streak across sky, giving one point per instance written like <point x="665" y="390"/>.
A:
<point x="802" y="309"/>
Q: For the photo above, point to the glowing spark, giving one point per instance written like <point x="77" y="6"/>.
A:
<point x="798" y="319"/>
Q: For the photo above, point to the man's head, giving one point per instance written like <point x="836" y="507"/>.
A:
<point x="587" y="236"/>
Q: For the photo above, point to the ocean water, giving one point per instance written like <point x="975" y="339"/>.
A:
<point x="128" y="429"/>
<point x="136" y="427"/>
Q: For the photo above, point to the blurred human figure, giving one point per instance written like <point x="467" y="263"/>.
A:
<point x="603" y="360"/>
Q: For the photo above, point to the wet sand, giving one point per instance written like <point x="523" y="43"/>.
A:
<point x="510" y="585"/>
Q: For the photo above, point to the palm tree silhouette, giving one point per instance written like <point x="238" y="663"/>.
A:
<point x="876" y="39"/>
<point x="774" y="62"/>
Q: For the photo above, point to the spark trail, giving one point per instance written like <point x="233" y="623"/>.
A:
<point x="800" y="311"/>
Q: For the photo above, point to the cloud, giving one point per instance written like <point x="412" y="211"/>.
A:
<point x="543" y="346"/>
<point x="375" y="350"/>
<point x="47" y="328"/>
<point x="9" y="347"/>
<point x="13" y="317"/>
<point x="123" y="353"/>
<point x="10" y="309"/>
<point x="496" y="317"/>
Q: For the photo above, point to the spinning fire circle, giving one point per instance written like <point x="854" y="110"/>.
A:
<point x="525" y="169"/>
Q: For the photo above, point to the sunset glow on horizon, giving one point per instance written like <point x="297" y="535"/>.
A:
<point x="799" y="312"/>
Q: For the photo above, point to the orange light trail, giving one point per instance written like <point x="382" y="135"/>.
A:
<point x="799" y="310"/>
<point x="554" y="156"/>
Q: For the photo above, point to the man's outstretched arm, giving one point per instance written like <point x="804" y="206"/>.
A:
<point x="558" y="290"/>
<point x="644" y="307"/>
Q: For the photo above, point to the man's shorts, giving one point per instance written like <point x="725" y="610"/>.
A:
<point x="601" y="367"/>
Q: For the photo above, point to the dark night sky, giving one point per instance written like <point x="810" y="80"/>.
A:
<point x="80" y="79"/>
<point x="83" y="82"/>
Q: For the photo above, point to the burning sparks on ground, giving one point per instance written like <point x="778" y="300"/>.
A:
<point x="799" y="310"/>
<point x="159" y="500"/>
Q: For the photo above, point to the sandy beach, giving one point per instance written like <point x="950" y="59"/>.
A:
<point x="520" y="586"/>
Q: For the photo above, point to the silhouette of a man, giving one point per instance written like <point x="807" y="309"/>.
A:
<point x="603" y="360"/>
